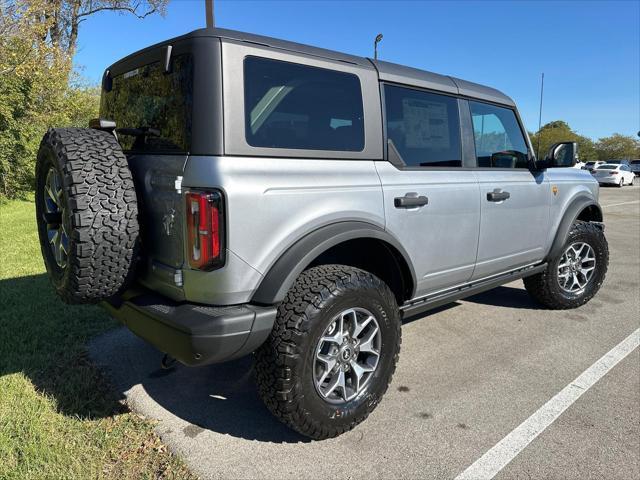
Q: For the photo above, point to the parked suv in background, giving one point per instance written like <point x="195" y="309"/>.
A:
<point x="634" y="165"/>
<point x="242" y="193"/>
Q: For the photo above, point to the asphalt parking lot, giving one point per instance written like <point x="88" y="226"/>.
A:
<point x="469" y="374"/>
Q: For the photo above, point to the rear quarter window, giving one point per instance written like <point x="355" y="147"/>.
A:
<point x="294" y="106"/>
<point x="152" y="108"/>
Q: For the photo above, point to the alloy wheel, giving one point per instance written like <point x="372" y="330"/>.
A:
<point x="54" y="214"/>
<point x="576" y="267"/>
<point x="347" y="355"/>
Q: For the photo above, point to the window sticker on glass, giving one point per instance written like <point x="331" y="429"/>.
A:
<point x="426" y="123"/>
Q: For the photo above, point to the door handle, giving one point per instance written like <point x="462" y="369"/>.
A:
<point x="497" y="196"/>
<point x="410" y="201"/>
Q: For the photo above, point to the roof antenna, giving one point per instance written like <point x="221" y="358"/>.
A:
<point x="540" y="116"/>
<point x="208" y="7"/>
<point x="375" y="46"/>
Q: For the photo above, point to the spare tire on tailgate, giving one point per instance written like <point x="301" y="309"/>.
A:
<point x="87" y="213"/>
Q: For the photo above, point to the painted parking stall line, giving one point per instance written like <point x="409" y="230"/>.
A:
<point x="621" y="203"/>
<point x="487" y="466"/>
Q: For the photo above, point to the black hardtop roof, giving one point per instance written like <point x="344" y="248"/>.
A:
<point x="387" y="71"/>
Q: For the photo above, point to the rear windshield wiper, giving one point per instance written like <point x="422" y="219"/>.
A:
<point x="139" y="131"/>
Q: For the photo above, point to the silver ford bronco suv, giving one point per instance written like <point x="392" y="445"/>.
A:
<point x="244" y="194"/>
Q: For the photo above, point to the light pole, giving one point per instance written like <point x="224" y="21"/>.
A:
<point x="375" y="46"/>
<point x="208" y="7"/>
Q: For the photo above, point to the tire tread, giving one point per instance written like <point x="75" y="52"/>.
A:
<point x="280" y="352"/>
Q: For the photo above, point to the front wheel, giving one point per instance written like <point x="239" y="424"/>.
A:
<point x="575" y="276"/>
<point x="332" y="352"/>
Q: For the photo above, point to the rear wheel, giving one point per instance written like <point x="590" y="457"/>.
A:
<point x="332" y="351"/>
<point x="575" y="276"/>
<point x="86" y="212"/>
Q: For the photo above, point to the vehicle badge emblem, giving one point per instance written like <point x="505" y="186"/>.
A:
<point x="167" y="222"/>
<point x="554" y="189"/>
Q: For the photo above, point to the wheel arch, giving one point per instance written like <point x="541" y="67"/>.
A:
<point x="583" y="208"/>
<point x="358" y="244"/>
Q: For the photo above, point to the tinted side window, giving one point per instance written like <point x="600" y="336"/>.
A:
<point x="151" y="108"/>
<point x="288" y="105"/>
<point x="499" y="140"/>
<point x="424" y="127"/>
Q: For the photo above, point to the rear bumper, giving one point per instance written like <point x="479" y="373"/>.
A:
<point x="194" y="334"/>
<point x="608" y="180"/>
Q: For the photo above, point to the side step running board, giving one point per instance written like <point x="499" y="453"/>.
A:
<point x="429" y="302"/>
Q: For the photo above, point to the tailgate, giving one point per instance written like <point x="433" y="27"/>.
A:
<point x="161" y="211"/>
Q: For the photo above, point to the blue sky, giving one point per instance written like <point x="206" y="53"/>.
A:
<point x="588" y="50"/>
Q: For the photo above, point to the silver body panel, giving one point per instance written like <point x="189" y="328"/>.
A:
<point x="513" y="232"/>
<point x="272" y="203"/>
<point x="442" y="236"/>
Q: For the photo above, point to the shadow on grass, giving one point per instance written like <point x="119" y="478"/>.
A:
<point x="47" y="341"/>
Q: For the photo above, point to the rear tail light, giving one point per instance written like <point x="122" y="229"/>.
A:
<point x="205" y="230"/>
<point x="613" y="173"/>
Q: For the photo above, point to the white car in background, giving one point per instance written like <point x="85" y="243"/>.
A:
<point x="612" y="174"/>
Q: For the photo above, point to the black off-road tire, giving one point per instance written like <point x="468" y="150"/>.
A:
<point x="99" y="213"/>
<point x="284" y="362"/>
<point x="544" y="286"/>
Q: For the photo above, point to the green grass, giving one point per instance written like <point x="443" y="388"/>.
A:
<point x="59" y="418"/>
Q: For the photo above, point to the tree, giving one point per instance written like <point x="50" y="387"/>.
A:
<point x="560" y="131"/>
<point x="38" y="87"/>
<point x="64" y="17"/>
<point x="618" y="147"/>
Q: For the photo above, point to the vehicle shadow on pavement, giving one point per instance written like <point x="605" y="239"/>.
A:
<point x="221" y="398"/>
<point x="509" y="297"/>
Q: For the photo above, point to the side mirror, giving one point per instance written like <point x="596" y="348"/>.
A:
<point x="563" y="154"/>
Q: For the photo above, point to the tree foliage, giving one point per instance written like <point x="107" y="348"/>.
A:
<point x="38" y="87"/>
<point x="63" y="17"/>
<point x="618" y="147"/>
<point x="560" y="131"/>
<point x="614" y="147"/>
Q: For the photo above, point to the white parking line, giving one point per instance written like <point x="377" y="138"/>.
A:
<point x="487" y="466"/>
<point x="623" y="203"/>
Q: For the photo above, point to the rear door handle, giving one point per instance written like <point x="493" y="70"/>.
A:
<point x="410" y="201"/>
<point x="497" y="196"/>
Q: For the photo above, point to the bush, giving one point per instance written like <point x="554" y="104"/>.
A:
<point x="28" y="107"/>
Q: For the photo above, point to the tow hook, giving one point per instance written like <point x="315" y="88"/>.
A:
<point x="167" y="362"/>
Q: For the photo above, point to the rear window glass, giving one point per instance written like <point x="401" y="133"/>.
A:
<point x="423" y="126"/>
<point x="288" y="105"/>
<point x="151" y="108"/>
<point x="608" y="166"/>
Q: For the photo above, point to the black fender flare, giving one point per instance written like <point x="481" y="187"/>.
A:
<point x="283" y="273"/>
<point x="571" y="213"/>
